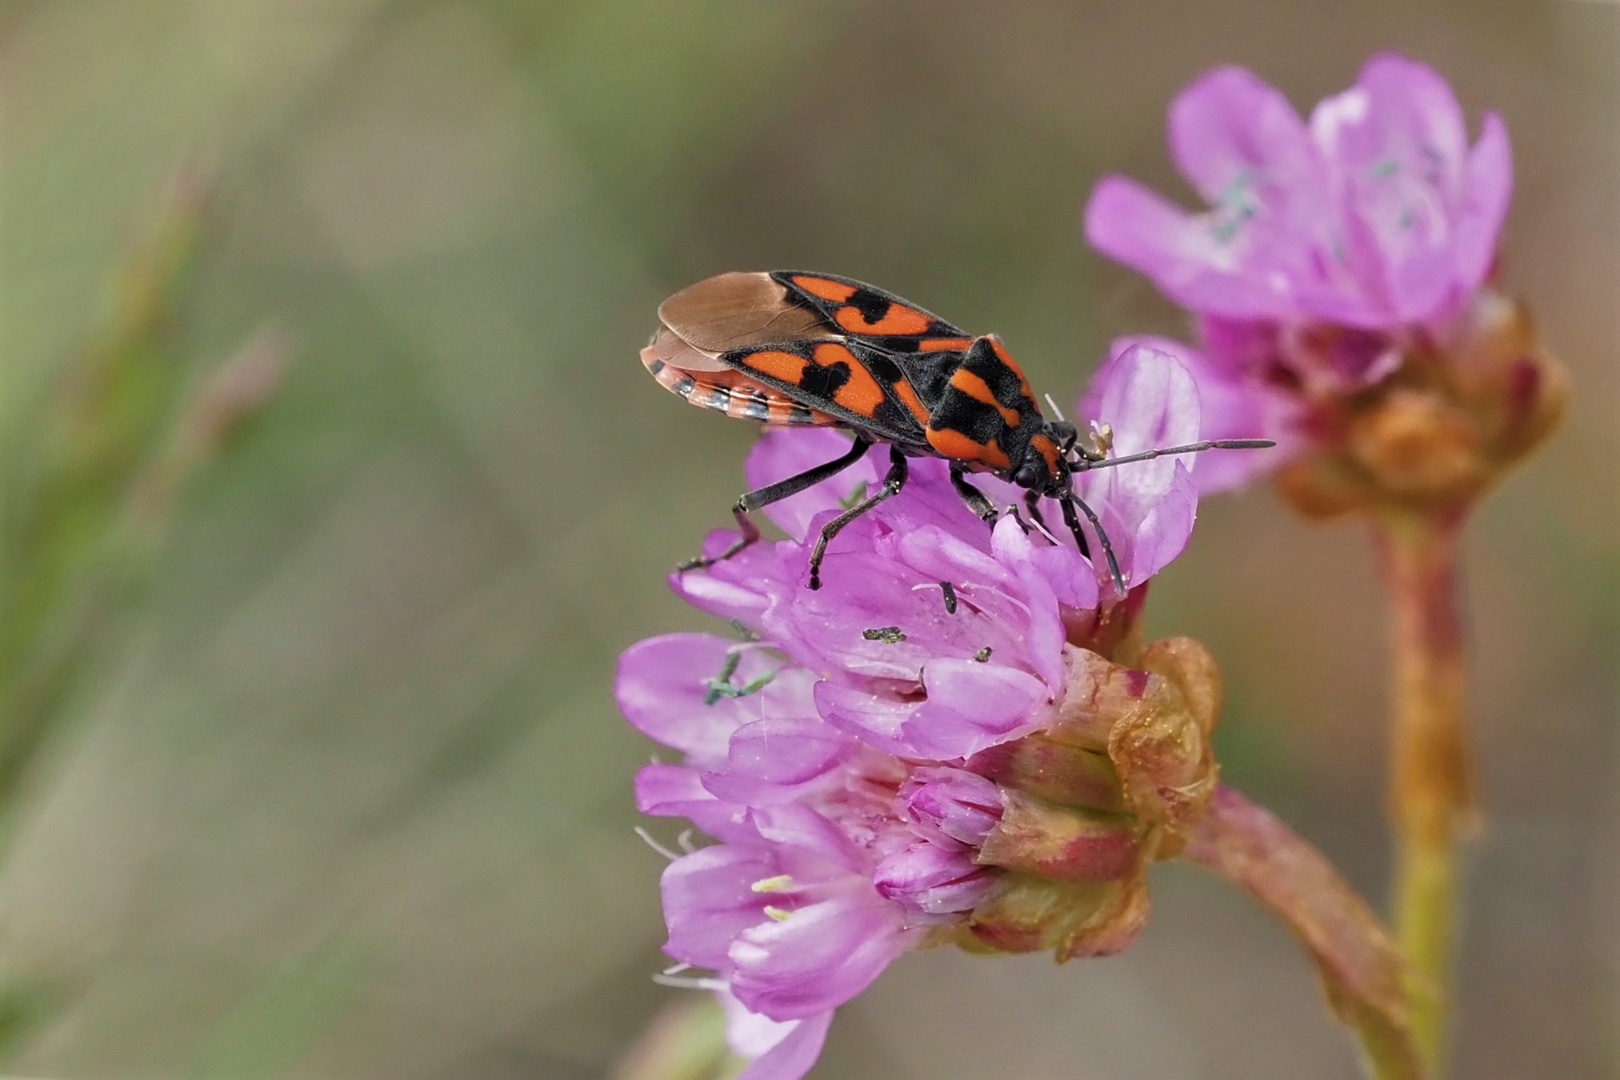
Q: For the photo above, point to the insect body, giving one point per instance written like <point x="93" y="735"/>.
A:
<point x="807" y="349"/>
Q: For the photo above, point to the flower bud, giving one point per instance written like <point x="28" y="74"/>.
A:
<point x="1503" y="375"/>
<point x="1030" y="914"/>
<point x="950" y="806"/>
<point x="1417" y="446"/>
<point x="935" y="880"/>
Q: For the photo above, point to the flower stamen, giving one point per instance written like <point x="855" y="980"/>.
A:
<point x="647" y="838"/>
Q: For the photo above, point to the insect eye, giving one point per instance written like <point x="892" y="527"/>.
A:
<point x="1028" y="476"/>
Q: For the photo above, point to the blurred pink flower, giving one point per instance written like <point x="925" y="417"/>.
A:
<point x="1331" y="249"/>
<point x="1374" y="214"/>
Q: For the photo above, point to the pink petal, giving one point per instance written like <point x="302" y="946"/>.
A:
<point x="749" y="1034"/>
<point x="1487" y="188"/>
<point x="1409" y="110"/>
<point x="1148" y="397"/>
<point x="664" y="690"/>
<point x="820" y="956"/>
<point x="662" y="684"/>
<point x="1043" y="624"/>
<point x="972" y="706"/>
<point x="732" y="589"/>
<point x="1182" y="254"/>
<point x="1229" y="128"/>
<point x="709" y="900"/>
<point x="860" y="591"/>
<point x="1138" y="227"/>
<point x="1232" y="404"/>
<point x="1165" y="530"/>
<point x="800" y="827"/>
<point x="783" y="1051"/>
<point x="1071" y="577"/>
<point x="875" y="719"/>
<point x="1147" y="507"/>
<point x="769" y="759"/>
<point x="678" y="791"/>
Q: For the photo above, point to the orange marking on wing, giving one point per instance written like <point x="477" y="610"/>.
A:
<point x="913" y="403"/>
<point x="941" y="344"/>
<point x="958" y="447"/>
<point x="898" y="320"/>
<point x="979" y="390"/>
<point x="836" y="291"/>
<point x="1048" y="450"/>
<point x="861" y="394"/>
<point x="777" y="364"/>
<point x="1006" y="358"/>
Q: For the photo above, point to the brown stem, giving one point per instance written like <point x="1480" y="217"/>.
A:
<point x="1362" y="971"/>
<point x="1431" y="783"/>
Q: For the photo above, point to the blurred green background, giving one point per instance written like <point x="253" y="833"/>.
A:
<point x="345" y="794"/>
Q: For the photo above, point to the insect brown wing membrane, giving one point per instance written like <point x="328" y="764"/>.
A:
<point x="738" y="310"/>
<point x="717" y="316"/>
<point x="669" y="348"/>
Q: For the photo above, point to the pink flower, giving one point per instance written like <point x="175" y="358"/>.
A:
<point x="1330" y="251"/>
<point x="1376" y="213"/>
<point x="828" y="754"/>
<point x="823" y="877"/>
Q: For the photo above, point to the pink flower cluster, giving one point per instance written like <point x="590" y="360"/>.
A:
<point x="828" y="753"/>
<point x="1329" y="248"/>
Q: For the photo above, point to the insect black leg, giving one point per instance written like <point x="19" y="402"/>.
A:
<point x="1032" y="503"/>
<point x="1072" y="500"/>
<point x="892" y="483"/>
<point x="976" y="500"/>
<point x="782" y="489"/>
<point x="982" y="506"/>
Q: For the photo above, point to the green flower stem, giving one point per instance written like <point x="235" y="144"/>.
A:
<point x="1431" y="787"/>
<point x="687" y="1041"/>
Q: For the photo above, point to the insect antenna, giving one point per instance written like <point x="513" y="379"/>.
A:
<point x="1086" y="465"/>
<point x="1071" y="501"/>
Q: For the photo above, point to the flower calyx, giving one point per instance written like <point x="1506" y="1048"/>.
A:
<point x="1117" y="780"/>
<point x="1442" y="427"/>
